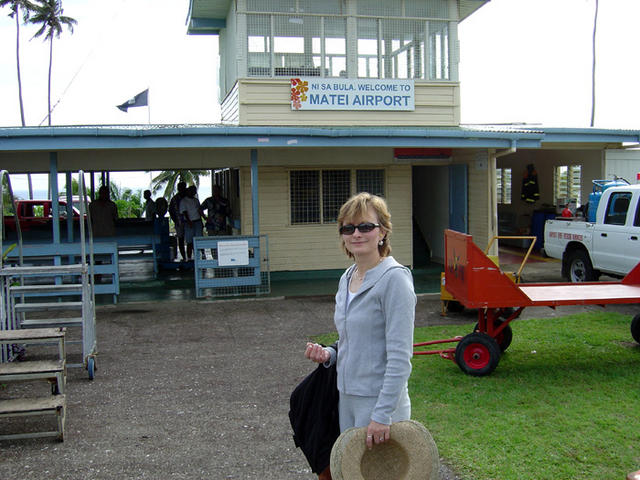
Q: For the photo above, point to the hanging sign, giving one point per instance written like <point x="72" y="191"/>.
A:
<point x="315" y="93"/>
<point x="233" y="253"/>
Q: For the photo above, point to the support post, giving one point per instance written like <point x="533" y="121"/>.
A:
<point x="254" y="192"/>
<point x="53" y="187"/>
<point x="69" y="189"/>
<point x="55" y="206"/>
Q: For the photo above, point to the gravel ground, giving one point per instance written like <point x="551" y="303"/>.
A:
<point x="193" y="390"/>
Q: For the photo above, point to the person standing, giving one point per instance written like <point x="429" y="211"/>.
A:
<point x="150" y="208"/>
<point x="217" y="208"/>
<point x="374" y="316"/>
<point x="190" y="210"/>
<point x="176" y="216"/>
<point x="104" y="214"/>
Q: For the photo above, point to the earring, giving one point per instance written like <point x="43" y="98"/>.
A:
<point x="381" y="242"/>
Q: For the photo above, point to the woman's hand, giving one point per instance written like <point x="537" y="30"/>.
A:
<point x="316" y="353"/>
<point x="377" y="433"/>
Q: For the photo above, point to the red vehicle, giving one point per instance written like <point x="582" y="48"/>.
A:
<point x="35" y="213"/>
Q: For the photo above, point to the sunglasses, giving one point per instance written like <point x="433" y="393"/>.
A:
<point x="350" y="229"/>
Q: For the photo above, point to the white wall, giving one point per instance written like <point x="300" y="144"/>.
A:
<point x="622" y="163"/>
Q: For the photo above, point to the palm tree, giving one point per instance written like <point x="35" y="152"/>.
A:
<point x="27" y="7"/>
<point x="15" y="7"/>
<point x="169" y="180"/>
<point x="49" y="14"/>
<point x="593" y="67"/>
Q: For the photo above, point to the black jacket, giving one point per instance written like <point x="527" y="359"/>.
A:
<point x="314" y="416"/>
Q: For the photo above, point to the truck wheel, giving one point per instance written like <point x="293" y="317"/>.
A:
<point x="580" y="268"/>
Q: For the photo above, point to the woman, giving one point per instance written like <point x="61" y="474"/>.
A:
<point x="374" y="315"/>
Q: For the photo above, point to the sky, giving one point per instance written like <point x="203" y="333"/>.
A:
<point x="521" y="61"/>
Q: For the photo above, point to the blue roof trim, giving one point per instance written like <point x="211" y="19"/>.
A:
<point x="221" y="136"/>
<point x="206" y="25"/>
<point x="113" y="137"/>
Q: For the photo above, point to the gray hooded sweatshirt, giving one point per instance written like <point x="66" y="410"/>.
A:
<point x="375" y="331"/>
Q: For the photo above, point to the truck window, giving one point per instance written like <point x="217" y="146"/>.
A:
<point x="636" y="220"/>
<point x="616" y="213"/>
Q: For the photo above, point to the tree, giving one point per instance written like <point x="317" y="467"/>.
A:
<point x="75" y="188"/>
<point x="49" y="14"/>
<point x="129" y="202"/>
<point x="169" y="179"/>
<point x="16" y="6"/>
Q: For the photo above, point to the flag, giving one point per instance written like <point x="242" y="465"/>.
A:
<point x="140" y="100"/>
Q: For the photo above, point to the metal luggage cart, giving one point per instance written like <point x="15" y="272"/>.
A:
<point x="449" y="302"/>
<point x="477" y="282"/>
<point x="57" y="282"/>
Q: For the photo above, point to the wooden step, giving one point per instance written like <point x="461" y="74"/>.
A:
<point x="46" y="306"/>
<point x="55" y="404"/>
<point x="51" y="370"/>
<point x="39" y="323"/>
<point x="35" y="405"/>
<point x="46" y="288"/>
<point x="25" y="336"/>
<point x="31" y="367"/>
<point x="44" y="270"/>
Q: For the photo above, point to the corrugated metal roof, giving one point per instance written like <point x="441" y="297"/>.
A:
<point x="215" y="9"/>
<point x="218" y="136"/>
<point x="203" y="12"/>
<point x="467" y="7"/>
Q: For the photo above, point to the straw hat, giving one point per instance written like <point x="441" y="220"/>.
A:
<point x="410" y="454"/>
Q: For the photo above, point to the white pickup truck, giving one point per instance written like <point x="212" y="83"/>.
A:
<point x="610" y="245"/>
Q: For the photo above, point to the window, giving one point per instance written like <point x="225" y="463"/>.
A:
<point x="567" y="184"/>
<point x="317" y="195"/>
<point x="503" y="185"/>
<point x="371" y="181"/>
<point x="309" y="38"/>
<point x="394" y="48"/>
<point x="616" y="213"/>
<point x="336" y="189"/>
<point x="305" y="196"/>
<point x="305" y="45"/>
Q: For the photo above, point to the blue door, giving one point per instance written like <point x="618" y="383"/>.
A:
<point x="458" y="211"/>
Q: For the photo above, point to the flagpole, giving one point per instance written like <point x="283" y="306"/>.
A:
<point x="148" y="108"/>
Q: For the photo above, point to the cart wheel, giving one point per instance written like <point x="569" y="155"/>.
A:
<point x="477" y="354"/>
<point x="91" y="367"/>
<point x="635" y="328"/>
<point x="505" y="337"/>
<point x="454" y="306"/>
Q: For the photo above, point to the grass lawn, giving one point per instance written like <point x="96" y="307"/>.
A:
<point x="562" y="404"/>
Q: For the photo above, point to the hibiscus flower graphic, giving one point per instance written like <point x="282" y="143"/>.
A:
<point x="298" y="90"/>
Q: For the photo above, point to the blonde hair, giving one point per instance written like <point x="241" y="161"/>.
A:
<point x="357" y="207"/>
